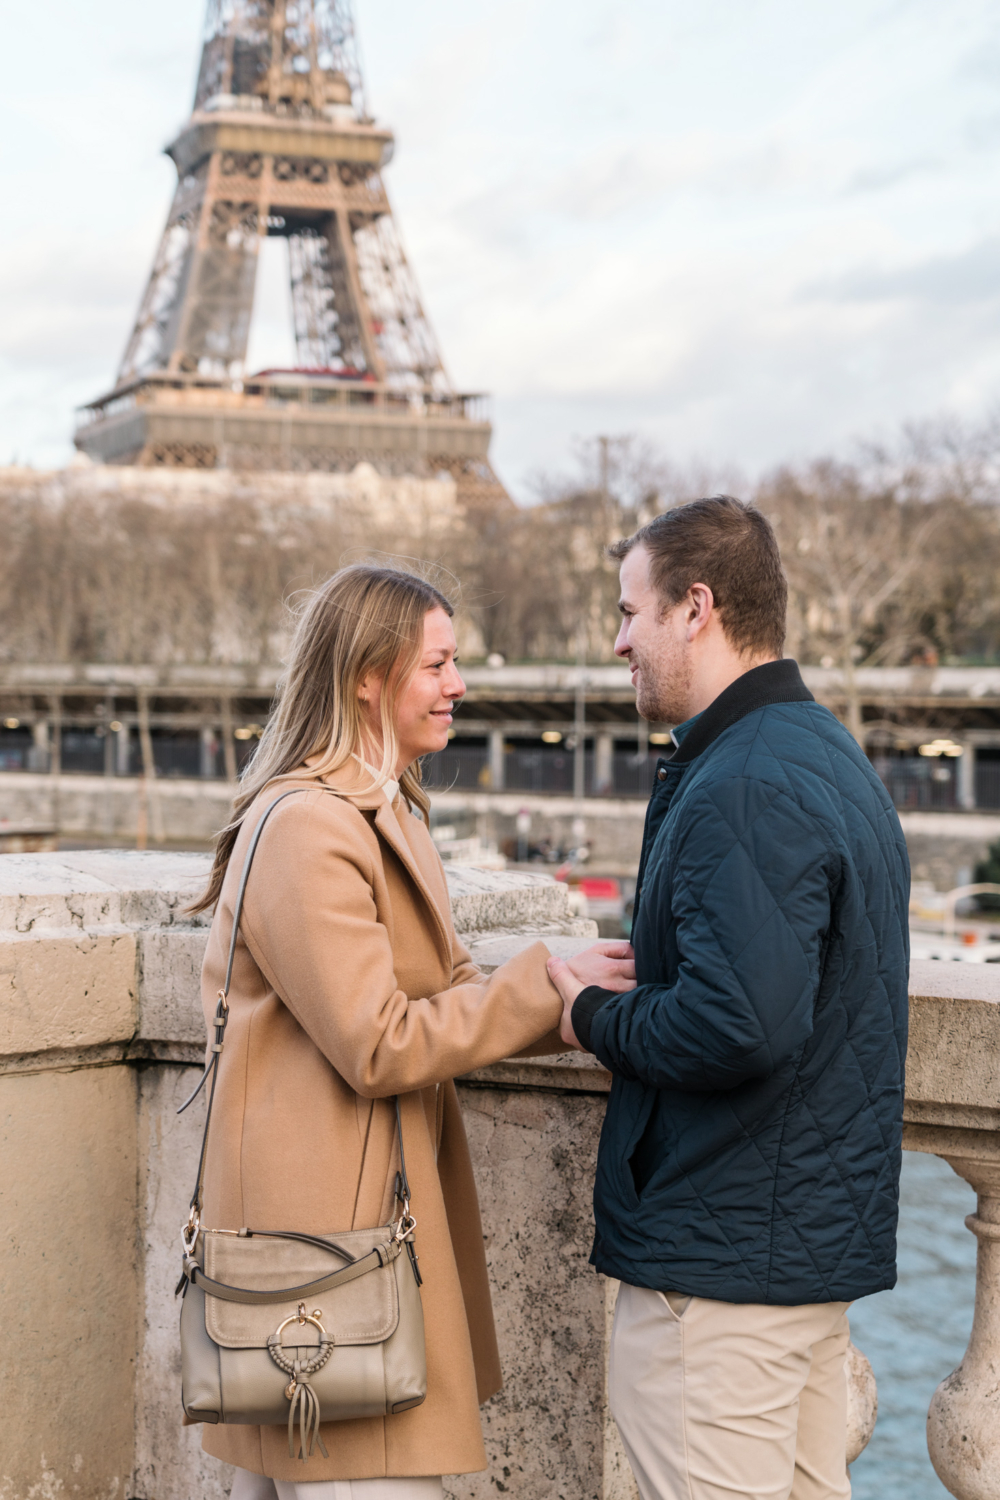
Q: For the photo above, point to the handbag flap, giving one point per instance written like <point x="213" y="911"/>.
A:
<point x="363" y="1311"/>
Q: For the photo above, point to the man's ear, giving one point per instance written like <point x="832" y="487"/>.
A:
<point x="700" y="604"/>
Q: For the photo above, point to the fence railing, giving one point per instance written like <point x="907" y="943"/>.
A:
<point x="987" y="783"/>
<point x="545" y="771"/>
<point x="916" y="784"/>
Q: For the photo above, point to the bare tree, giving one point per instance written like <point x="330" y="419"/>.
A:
<point x="890" y="559"/>
<point x="851" y="557"/>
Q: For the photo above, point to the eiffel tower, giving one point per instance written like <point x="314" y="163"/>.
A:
<point x="280" y="142"/>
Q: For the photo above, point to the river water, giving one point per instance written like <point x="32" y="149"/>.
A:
<point x="917" y="1333"/>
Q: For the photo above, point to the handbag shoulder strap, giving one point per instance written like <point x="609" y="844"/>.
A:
<point x="219" y="1025"/>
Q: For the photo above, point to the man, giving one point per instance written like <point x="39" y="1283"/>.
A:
<point x="748" y="1171"/>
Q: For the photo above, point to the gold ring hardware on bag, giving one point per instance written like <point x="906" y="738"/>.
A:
<point x="298" y="1391"/>
<point x="191" y="1230"/>
<point x="406" y="1226"/>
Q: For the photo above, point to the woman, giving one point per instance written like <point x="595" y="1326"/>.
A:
<point x="350" y="987"/>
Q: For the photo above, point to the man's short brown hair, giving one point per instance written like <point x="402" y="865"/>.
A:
<point x="732" y="549"/>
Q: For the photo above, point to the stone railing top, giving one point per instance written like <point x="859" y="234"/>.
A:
<point x="99" y="888"/>
<point x="510" y="901"/>
<point x="931" y="979"/>
<point x="140" y="899"/>
<point x="953" y="1059"/>
<point x="104" y="957"/>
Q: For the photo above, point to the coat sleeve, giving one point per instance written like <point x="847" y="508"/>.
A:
<point x="311" y="924"/>
<point x="749" y="897"/>
<point x="464" y="971"/>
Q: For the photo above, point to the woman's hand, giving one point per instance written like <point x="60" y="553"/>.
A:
<point x="609" y="965"/>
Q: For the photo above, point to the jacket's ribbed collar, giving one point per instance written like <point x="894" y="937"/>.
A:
<point x="774" y="682"/>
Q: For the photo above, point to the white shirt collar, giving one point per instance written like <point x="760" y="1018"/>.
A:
<point x="391" y="788"/>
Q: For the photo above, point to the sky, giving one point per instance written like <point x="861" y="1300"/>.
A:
<point x="749" y="231"/>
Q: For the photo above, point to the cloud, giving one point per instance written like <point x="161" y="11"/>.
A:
<point x="970" y="277"/>
<point x="732" y="228"/>
<point x="877" y="179"/>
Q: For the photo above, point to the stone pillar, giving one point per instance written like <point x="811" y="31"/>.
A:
<point x="496" y="760"/>
<point x="228" y="742"/>
<point x="604" y="764"/>
<point x="123" y="750"/>
<point x="966" y="771"/>
<point x="963" y="1424"/>
<point x="209" y="750"/>
<point x="109" y="744"/>
<point x="55" y="762"/>
<point x="522" y="824"/>
<point x="38" y="755"/>
<point x="55" y="735"/>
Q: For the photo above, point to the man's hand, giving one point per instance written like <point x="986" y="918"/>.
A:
<point x="610" y="965"/>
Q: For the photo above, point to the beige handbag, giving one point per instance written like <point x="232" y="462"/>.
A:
<point x="284" y="1327"/>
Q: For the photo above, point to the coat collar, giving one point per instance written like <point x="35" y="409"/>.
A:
<point x="351" y="785"/>
<point x="774" y="682"/>
<point x="387" y="824"/>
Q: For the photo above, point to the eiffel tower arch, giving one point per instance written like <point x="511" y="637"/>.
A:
<point x="280" y="142"/>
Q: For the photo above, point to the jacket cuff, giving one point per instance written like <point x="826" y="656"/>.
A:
<point x="585" y="1007"/>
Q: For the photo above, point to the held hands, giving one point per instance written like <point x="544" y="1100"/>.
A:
<point x="610" y="965"/>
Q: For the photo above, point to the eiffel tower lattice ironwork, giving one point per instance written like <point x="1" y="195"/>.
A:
<point x="280" y="142"/>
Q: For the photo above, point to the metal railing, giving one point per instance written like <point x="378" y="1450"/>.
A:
<point x="462" y="767"/>
<point x="542" y="771"/>
<point x="987" y="783"/>
<point x="916" y="784"/>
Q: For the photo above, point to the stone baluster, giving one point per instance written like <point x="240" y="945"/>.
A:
<point x="963" y="1424"/>
<point x="862" y="1403"/>
<point x="953" y="1111"/>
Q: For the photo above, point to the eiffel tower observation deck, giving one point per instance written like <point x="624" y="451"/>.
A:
<point x="280" y="142"/>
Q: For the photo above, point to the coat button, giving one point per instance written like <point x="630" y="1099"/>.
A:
<point x="661" y="774"/>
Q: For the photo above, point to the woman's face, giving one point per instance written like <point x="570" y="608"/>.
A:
<point x="424" y="709"/>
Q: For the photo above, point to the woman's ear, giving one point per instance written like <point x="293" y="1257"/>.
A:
<point x="370" y="698"/>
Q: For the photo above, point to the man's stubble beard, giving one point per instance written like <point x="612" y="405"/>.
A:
<point x="664" y="690"/>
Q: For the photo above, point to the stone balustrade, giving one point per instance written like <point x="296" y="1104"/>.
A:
<point x="953" y="1110"/>
<point x="101" y="1034"/>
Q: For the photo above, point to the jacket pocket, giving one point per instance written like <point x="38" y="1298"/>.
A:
<point x="632" y="1181"/>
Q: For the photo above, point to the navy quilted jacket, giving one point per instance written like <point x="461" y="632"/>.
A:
<point x="752" y="1142"/>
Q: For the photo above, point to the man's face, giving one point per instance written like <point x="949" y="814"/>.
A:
<point x="654" y="642"/>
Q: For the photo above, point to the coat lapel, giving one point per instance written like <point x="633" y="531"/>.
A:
<point x="388" y="828"/>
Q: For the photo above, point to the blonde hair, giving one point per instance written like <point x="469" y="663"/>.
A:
<point x="364" y="621"/>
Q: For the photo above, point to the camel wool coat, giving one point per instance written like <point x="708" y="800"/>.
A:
<point x="350" y="987"/>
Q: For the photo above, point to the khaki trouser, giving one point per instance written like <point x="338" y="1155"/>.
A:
<point x="716" y="1400"/>
<point x="247" y="1486"/>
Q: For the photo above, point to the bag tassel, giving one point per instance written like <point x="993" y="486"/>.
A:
<point x="304" y="1404"/>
